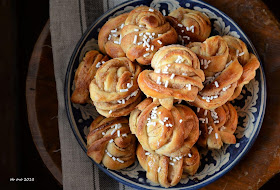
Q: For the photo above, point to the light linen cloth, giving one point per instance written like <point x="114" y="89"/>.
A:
<point x="69" y="19"/>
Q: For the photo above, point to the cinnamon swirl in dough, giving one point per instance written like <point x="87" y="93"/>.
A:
<point x="84" y="74"/>
<point x="114" y="90"/>
<point x="109" y="37"/>
<point x="191" y="25"/>
<point x="168" y="171"/>
<point x="145" y="31"/>
<point x="176" y="75"/>
<point x="217" y="126"/>
<point x="111" y="142"/>
<point x="221" y="77"/>
<point x="165" y="132"/>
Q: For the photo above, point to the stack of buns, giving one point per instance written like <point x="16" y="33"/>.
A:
<point x="162" y="87"/>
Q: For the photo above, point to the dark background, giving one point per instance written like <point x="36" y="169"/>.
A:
<point x="21" y="22"/>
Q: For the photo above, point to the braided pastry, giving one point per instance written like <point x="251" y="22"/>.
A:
<point x="177" y="75"/>
<point x="111" y="142"/>
<point x="114" y="90"/>
<point x="165" y="132"/>
<point x="238" y="50"/>
<point x="109" y="37"/>
<point x="217" y="126"/>
<point x="168" y="171"/>
<point x="84" y="74"/>
<point x="145" y="31"/>
<point x="191" y="25"/>
<point x="221" y="77"/>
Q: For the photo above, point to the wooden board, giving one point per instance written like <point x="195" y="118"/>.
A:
<point x="42" y="104"/>
<point x="260" y="164"/>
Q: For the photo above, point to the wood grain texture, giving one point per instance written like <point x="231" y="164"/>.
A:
<point x="42" y="104"/>
<point x="256" y="168"/>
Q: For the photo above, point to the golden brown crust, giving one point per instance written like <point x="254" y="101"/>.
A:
<point x="220" y="90"/>
<point x="190" y="23"/>
<point x="111" y="142"/>
<point x="168" y="171"/>
<point x="165" y="132"/>
<point x="221" y="77"/>
<point x="109" y="34"/>
<point x="249" y="72"/>
<point x="238" y="50"/>
<point x="217" y="126"/>
<point x="215" y="51"/>
<point x="176" y="76"/>
<point x="191" y="162"/>
<point x="84" y="74"/>
<point x="145" y="31"/>
<point x="114" y="91"/>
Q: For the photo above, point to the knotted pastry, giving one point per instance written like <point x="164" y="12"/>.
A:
<point x="114" y="90"/>
<point x="190" y="25"/>
<point x="109" y="37"/>
<point x="221" y="77"/>
<point x="168" y="171"/>
<point x="176" y="75"/>
<point x="238" y="50"/>
<point x="212" y="53"/>
<point x="145" y="31"/>
<point x="249" y="72"/>
<point x="84" y="74"/>
<point x="217" y="126"/>
<point x="165" y="132"/>
<point x="111" y="142"/>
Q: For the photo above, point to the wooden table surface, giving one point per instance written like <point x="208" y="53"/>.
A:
<point x="260" y="164"/>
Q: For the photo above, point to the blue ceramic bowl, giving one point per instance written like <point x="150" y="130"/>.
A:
<point x="250" y="104"/>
